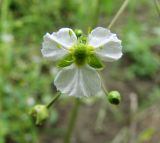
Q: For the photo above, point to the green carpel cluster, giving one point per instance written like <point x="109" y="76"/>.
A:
<point x="80" y="54"/>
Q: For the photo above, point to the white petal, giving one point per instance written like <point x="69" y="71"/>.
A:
<point x="107" y="45"/>
<point x="65" y="37"/>
<point x="99" y="36"/>
<point x="51" y="49"/>
<point x="111" y="51"/>
<point x="78" y="81"/>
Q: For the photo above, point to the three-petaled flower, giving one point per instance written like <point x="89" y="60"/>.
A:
<point x="79" y="58"/>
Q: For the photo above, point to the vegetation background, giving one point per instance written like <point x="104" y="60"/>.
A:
<point x="27" y="79"/>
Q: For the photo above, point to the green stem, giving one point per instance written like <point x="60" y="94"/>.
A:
<point x="53" y="100"/>
<point x="6" y="28"/>
<point x="96" y="14"/>
<point x="123" y="6"/>
<point x="157" y="5"/>
<point x="4" y="15"/>
<point x="72" y="120"/>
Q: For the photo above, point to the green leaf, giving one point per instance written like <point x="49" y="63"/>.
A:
<point x="66" y="61"/>
<point x="95" y="62"/>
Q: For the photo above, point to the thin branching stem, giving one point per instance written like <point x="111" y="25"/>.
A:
<point x="122" y="8"/>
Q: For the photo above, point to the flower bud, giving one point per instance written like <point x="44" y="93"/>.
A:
<point x="114" y="97"/>
<point x="78" y="32"/>
<point x="40" y="113"/>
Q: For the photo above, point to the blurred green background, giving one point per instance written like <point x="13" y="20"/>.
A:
<point x="27" y="79"/>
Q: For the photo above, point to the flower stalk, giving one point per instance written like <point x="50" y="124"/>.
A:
<point x="53" y="100"/>
<point x="72" y="121"/>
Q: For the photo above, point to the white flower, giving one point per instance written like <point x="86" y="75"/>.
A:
<point x="79" y="78"/>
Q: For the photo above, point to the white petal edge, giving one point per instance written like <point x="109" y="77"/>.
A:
<point x="65" y="37"/>
<point x="51" y="49"/>
<point x="78" y="81"/>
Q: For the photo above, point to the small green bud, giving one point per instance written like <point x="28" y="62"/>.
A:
<point x="78" y="32"/>
<point x="40" y="113"/>
<point x="114" y="97"/>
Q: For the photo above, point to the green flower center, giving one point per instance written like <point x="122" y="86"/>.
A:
<point x="80" y="52"/>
